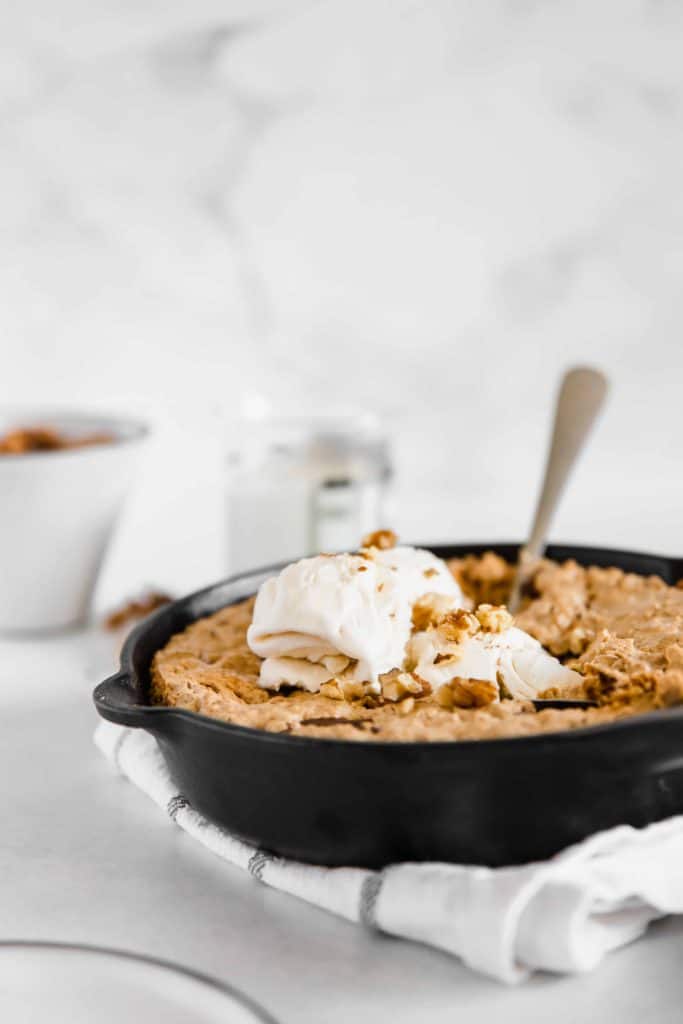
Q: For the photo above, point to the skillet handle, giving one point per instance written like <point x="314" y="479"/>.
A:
<point x="117" y="701"/>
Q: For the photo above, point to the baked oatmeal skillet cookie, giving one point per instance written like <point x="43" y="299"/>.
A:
<point x="460" y="668"/>
<point x="373" y="801"/>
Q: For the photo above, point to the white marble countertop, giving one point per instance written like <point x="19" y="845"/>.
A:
<point x="84" y="857"/>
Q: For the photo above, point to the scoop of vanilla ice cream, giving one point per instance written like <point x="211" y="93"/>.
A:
<point x="512" y="657"/>
<point x="420" y="573"/>
<point x="320" y="612"/>
<point x="323" y="607"/>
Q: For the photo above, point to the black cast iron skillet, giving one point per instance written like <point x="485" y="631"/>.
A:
<point x="334" y="802"/>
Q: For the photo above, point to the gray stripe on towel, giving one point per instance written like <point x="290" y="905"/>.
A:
<point x="369" y="894"/>
<point x="175" y="804"/>
<point x="257" y="863"/>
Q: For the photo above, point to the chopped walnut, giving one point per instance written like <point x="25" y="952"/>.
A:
<point x="30" y="439"/>
<point x="331" y="690"/>
<point x="429" y="609"/>
<point x="467" y="693"/>
<point x="493" y="618"/>
<point x="406" y="706"/>
<point x="45" y="439"/>
<point x="456" y="626"/>
<point x="136" y="608"/>
<point x="444" y="697"/>
<point x="484" y="578"/>
<point x="396" y="685"/>
<point x="353" y="690"/>
<point x="382" y="539"/>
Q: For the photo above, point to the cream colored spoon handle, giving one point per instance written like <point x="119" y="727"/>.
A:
<point x="580" y="399"/>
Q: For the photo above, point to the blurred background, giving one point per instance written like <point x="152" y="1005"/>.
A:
<point x="419" y="210"/>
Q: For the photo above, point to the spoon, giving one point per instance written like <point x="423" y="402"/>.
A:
<point x="580" y="399"/>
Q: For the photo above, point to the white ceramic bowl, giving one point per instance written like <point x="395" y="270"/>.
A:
<point x="57" y="513"/>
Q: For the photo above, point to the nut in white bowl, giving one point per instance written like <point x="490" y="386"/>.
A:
<point x="58" y="509"/>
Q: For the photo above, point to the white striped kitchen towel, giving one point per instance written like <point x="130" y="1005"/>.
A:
<point x="560" y="915"/>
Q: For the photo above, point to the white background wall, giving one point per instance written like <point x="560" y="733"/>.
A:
<point x="428" y="208"/>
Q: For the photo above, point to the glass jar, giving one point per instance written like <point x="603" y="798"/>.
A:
<point x="301" y="485"/>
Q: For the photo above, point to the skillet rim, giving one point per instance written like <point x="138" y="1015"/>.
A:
<point x="127" y="675"/>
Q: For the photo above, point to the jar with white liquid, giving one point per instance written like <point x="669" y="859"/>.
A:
<point x="299" y="486"/>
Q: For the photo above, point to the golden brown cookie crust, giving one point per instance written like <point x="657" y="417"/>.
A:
<point x="622" y="632"/>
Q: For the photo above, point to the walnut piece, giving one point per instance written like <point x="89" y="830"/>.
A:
<point x="456" y="626"/>
<point x="397" y="685"/>
<point x="353" y="690"/>
<point x="493" y="618"/>
<point x="382" y="539"/>
<point x="45" y="439"/>
<point x="136" y="608"/>
<point x="466" y="693"/>
<point x="429" y="609"/>
<point x="404" y="707"/>
<point x="331" y="690"/>
<point x="483" y="578"/>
